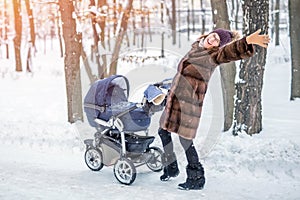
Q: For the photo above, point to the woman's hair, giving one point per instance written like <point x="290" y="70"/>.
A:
<point x="203" y="36"/>
<point x="235" y="35"/>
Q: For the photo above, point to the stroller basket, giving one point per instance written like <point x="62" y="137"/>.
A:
<point x="138" y="144"/>
<point x="134" y="143"/>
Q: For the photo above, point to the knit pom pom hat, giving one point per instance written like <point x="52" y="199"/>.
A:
<point x="226" y="36"/>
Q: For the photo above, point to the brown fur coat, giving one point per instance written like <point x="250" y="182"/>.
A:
<point x="184" y="102"/>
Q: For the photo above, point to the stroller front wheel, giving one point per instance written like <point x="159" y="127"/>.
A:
<point x="125" y="171"/>
<point x="93" y="159"/>
<point x="155" y="162"/>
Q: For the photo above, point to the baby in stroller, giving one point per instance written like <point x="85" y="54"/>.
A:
<point x="117" y="122"/>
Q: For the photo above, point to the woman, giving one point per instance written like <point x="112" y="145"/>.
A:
<point x="184" y="103"/>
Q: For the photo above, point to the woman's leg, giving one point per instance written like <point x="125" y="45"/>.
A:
<point x="168" y="158"/>
<point x="195" y="172"/>
<point x="166" y="140"/>
<point x="190" y="150"/>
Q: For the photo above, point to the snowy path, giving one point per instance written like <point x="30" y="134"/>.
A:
<point x="29" y="174"/>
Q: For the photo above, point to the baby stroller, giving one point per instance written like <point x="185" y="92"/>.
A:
<point x="117" y="122"/>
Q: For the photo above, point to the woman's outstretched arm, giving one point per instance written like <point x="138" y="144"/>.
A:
<point x="241" y="49"/>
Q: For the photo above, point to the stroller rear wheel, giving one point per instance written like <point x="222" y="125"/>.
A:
<point x="93" y="159"/>
<point x="155" y="162"/>
<point x="125" y="171"/>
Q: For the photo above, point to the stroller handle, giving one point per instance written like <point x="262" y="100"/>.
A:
<point x="166" y="81"/>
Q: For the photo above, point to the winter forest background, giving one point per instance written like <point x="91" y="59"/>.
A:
<point x="52" y="51"/>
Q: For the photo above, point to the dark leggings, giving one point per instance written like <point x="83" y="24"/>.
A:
<point x="188" y="146"/>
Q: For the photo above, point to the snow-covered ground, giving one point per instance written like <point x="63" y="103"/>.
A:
<point x="42" y="154"/>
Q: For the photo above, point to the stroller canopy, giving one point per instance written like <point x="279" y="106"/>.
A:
<point x="100" y="93"/>
<point x="109" y="97"/>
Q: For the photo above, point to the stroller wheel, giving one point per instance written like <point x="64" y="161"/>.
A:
<point x="155" y="162"/>
<point x="125" y="171"/>
<point x="93" y="159"/>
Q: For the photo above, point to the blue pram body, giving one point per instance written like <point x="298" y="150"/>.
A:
<point x="109" y="97"/>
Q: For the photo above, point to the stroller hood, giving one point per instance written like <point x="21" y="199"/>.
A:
<point x="100" y="95"/>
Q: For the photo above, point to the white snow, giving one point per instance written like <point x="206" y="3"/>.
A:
<point x="42" y="154"/>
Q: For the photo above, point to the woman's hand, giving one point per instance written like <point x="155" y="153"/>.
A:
<point x="261" y="40"/>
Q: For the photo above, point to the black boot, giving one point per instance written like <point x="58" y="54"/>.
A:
<point x="195" y="177"/>
<point x="170" y="166"/>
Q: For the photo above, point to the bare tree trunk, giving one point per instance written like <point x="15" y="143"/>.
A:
<point x="234" y="13"/>
<point x="101" y="4"/>
<point x="31" y="22"/>
<point x="59" y="35"/>
<point x="294" y="14"/>
<point x="6" y="23"/>
<point x="84" y="57"/>
<point x="87" y="66"/>
<point x="232" y="9"/>
<point x="102" y="23"/>
<point x="272" y="29"/>
<point x="188" y="23"/>
<point x="173" y="24"/>
<point x="73" y="48"/>
<point x="115" y="16"/>
<point x="32" y="36"/>
<point x="96" y="43"/>
<point x="228" y="71"/>
<point x="248" y="110"/>
<point x="121" y="33"/>
<point x="237" y="14"/>
<point x="162" y="34"/>
<point x="203" y="17"/>
<point x="143" y="25"/>
<point x="45" y="43"/>
<point x="29" y="60"/>
<point x="18" y="36"/>
<point x="134" y="32"/>
<point x="193" y="16"/>
<point x="277" y="9"/>
<point x="149" y="27"/>
<point x="1" y="35"/>
<point x="179" y="25"/>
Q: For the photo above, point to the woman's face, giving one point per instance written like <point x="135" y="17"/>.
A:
<point x="212" y="40"/>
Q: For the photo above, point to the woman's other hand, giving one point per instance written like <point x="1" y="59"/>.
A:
<point x="261" y="40"/>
